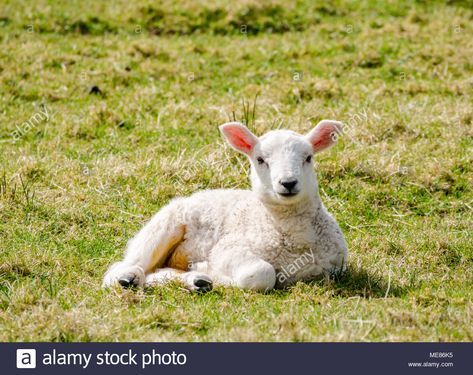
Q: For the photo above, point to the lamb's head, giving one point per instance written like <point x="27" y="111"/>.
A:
<point x="281" y="160"/>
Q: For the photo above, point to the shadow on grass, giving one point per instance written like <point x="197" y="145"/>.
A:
<point x="361" y="283"/>
<point x="356" y="282"/>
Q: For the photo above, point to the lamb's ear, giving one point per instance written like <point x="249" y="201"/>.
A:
<point x="239" y="137"/>
<point x="324" y="135"/>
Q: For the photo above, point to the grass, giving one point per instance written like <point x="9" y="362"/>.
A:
<point x="76" y="186"/>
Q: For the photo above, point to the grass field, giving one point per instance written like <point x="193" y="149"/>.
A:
<point x="107" y="112"/>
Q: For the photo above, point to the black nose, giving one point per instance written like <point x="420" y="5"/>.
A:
<point x="289" y="185"/>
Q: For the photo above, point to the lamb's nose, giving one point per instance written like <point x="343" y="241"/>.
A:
<point x="289" y="185"/>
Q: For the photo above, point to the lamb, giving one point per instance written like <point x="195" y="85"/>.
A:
<point x="244" y="238"/>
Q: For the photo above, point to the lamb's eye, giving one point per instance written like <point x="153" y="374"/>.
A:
<point x="260" y="160"/>
<point x="309" y="158"/>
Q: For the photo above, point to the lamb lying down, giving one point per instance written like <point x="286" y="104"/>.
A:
<point x="271" y="236"/>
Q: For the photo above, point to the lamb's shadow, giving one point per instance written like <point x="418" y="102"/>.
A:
<point x="357" y="282"/>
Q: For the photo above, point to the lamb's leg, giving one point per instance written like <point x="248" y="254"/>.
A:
<point x="192" y="280"/>
<point x="255" y="274"/>
<point x="149" y="248"/>
<point x="249" y="272"/>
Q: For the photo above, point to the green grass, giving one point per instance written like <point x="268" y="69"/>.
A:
<point x="76" y="187"/>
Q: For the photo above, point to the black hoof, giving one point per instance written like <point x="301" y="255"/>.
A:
<point x="128" y="281"/>
<point x="203" y="285"/>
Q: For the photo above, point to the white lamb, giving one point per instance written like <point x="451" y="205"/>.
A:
<point x="246" y="238"/>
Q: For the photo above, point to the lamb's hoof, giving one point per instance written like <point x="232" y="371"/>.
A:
<point x="128" y="281"/>
<point x="202" y="284"/>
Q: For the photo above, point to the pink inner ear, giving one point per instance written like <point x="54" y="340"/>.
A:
<point x="324" y="137"/>
<point x="239" y="139"/>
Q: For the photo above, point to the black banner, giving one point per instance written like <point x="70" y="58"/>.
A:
<point x="236" y="358"/>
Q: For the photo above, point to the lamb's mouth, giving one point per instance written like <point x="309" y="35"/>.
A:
<point x="288" y="195"/>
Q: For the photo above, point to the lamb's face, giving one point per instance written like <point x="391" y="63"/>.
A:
<point x="281" y="161"/>
<point x="281" y="167"/>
